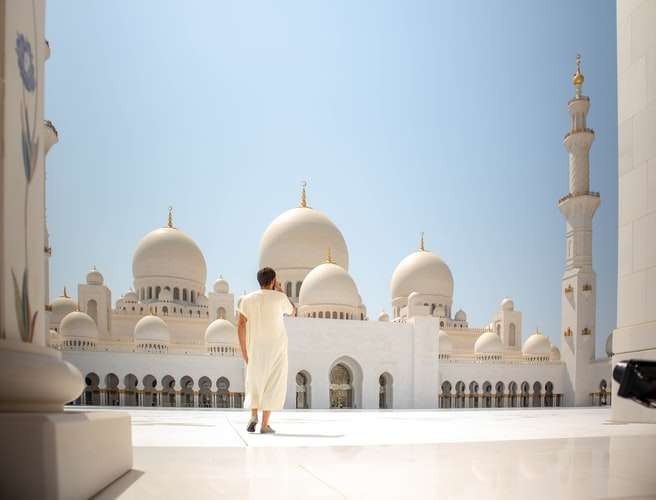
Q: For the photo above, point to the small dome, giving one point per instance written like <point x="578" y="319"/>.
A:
<point x="63" y="305"/>
<point x="537" y="344"/>
<point x="94" y="277"/>
<point x="329" y="284"/>
<point x="151" y="329"/>
<point x="422" y="272"/>
<point x="554" y="354"/>
<point x="444" y="342"/>
<point x="383" y="316"/>
<point x="488" y="343"/>
<point x="221" y="331"/>
<point x="130" y="296"/>
<point x="78" y="324"/>
<point x="507" y="304"/>
<point x="609" y="345"/>
<point x="461" y="315"/>
<point x="221" y="286"/>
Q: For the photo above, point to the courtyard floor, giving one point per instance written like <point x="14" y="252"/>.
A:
<point x="504" y="453"/>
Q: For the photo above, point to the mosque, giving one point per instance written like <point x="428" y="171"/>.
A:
<point x="169" y="342"/>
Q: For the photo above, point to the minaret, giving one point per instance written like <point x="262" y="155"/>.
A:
<point x="578" y="301"/>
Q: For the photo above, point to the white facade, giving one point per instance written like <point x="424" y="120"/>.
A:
<point x="166" y="342"/>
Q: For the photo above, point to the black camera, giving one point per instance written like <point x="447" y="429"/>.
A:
<point x="637" y="379"/>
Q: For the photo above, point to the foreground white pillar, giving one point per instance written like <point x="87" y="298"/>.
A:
<point x="46" y="452"/>
<point x="635" y="336"/>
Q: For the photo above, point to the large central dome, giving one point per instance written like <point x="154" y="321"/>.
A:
<point x="422" y="272"/>
<point x="168" y="252"/>
<point x="299" y="239"/>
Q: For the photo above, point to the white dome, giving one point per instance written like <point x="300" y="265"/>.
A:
<point x="221" y="286"/>
<point x="383" y="316"/>
<point x="609" y="345"/>
<point x="444" y="342"/>
<point x="461" y="315"/>
<point x="488" y="343"/>
<point x="78" y="324"/>
<point x="299" y="239"/>
<point x="329" y="284"/>
<point x="537" y="344"/>
<point x="221" y="331"/>
<point x="422" y="272"/>
<point x="130" y="296"/>
<point x="554" y="354"/>
<point x="507" y="304"/>
<point x="63" y="305"/>
<point x="94" y="277"/>
<point x="151" y="329"/>
<point x="169" y="253"/>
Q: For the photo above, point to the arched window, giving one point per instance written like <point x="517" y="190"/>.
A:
<point x="221" y="313"/>
<point x="143" y="293"/>
<point x="222" y="393"/>
<point x="131" y="397"/>
<point x="524" y="400"/>
<point x="603" y="393"/>
<point x="205" y="392"/>
<point x="168" y="391"/>
<point x="298" y="288"/>
<point x="111" y="390"/>
<point x="499" y="329"/>
<point x="341" y="315"/>
<point x="512" y="389"/>
<point x="150" y="391"/>
<point x="548" y="394"/>
<point x="184" y="294"/>
<point x="487" y="395"/>
<point x="150" y="292"/>
<point x="157" y="292"/>
<point x="165" y="311"/>
<point x="473" y="395"/>
<point x="321" y="314"/>
<point x="176" y="293"/>
<point x="460" y="394"/>
<point x="288" y="288"/>
<point x="341" y="387"/>
<point x="512" y="334"/>
<point x="334" y="314"/>
<point x="187" y="393"/>
<point x="92" y="310"/>
<point x="91" y="395"/>
<point x="193" y="296"/>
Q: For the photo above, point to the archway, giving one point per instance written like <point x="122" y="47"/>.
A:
<point x="524" y="399"/>
<point x="221" y="313"/>
<point x="222" y="393"/>
<point x="149" y="391"/>
<point x="548" y="394"/>
<point x="168" y="391"/>
<point x="385" y="398"/>
<point x="303" y="389"/>
<point x="460" y="394"/>
<point x="537" y="394"/>
<point x="512" y="389"/>
<point x="204" y="392"/>
<point x="92" y="309"/>
<point x="487" y="395"/>
<point x="512" y="334"/>
<point x="445" y="396"/>
<point x="473" y="395"/>
<point x="603" y="393"/>
<point x="112" y="393"/>
<point x="187" y="392"/>
<point x="345" y="378"/>
<point x="499" y="395"/>
<point x="91" y="390"/>
<point x="131" y="398"/>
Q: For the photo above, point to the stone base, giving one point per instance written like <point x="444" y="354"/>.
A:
<point x="62" y="455"/>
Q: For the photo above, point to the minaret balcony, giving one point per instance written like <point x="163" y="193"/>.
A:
<point x="581" y="134"/>
<point x="568" y="196"/>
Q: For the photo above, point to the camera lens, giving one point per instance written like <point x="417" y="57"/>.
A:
<point x="618" y="371"/>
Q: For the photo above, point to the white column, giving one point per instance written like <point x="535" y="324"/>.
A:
<point x="635" y="336"/>
<point x="39" y="458"/>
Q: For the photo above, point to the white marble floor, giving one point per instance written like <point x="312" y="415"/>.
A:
<point x="536" y="453"/>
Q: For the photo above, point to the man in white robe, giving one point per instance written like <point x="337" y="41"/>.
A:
<point x="263" y="342"/>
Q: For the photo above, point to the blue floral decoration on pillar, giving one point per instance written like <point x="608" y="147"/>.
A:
<point x="25" y="62"/>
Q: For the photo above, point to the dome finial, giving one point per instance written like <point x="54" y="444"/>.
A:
<point x="303" y="194"/>
<point x="578" y="77"/>
<point x="421" y="243"/>
<point x="170" y="221"/>
<point x="329" y="259"/>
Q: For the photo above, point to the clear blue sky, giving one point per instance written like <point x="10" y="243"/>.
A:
<point x="443" y="117"/>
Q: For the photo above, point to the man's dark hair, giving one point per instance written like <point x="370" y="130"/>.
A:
<point x="265" y="276"/>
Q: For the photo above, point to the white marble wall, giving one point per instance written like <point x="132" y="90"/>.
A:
<point x="636" y="302"/>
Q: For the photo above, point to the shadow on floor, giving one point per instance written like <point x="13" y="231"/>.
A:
<point x="118" y="487"/>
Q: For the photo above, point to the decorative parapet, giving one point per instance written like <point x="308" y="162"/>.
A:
<point x="574" y="195"/>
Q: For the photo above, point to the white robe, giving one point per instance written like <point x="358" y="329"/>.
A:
<point x="266" y="341"/>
